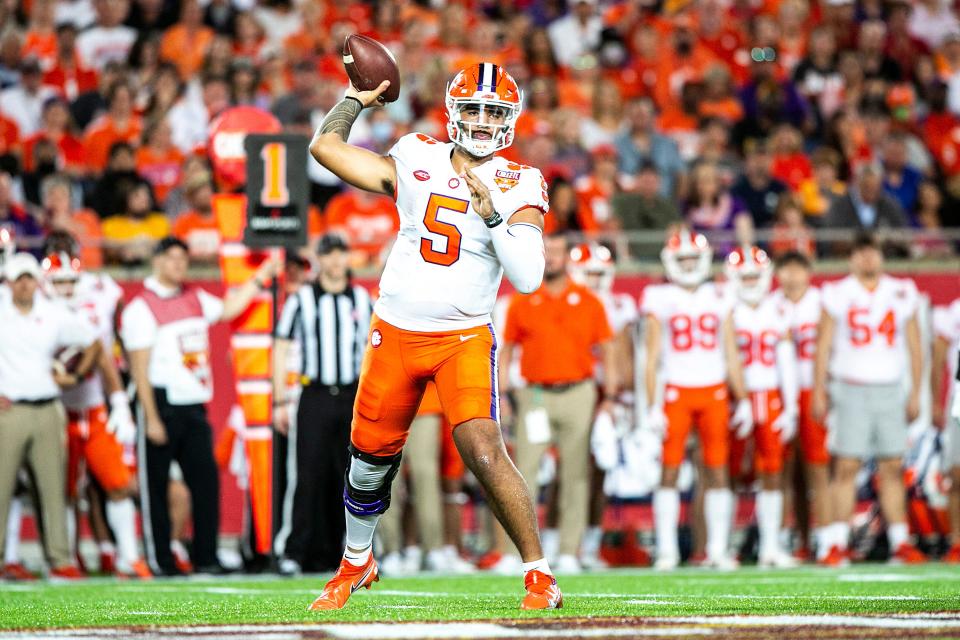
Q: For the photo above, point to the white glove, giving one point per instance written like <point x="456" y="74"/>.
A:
<point x="120" y="421"/>
<point x="786" y="425"/>
<point x="742" y="420"/>
<point x="955" y="405"/>
<point x="656" y="421"/>
<point x="604" y="442"/>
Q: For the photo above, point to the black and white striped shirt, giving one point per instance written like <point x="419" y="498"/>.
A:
<point x="331" y="329"/>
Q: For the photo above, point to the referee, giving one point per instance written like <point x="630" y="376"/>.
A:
<point x="329" y="319"/>
<point x="165" y="332"/>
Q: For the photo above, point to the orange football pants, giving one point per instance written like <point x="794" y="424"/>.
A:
<point x="813" y="434"/>
<point x="396" y="368"/>
<point x="89" y="441"/>
<point x="769" y="453"/>
<point x="709" y="408"/>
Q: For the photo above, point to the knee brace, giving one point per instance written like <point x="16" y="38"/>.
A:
<point x="366" y="487"/>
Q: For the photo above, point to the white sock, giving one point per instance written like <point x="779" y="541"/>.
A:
<point x="821" y="537"/>
<point x="71" y="521"/>
<point x="360" y="530"/>
<point x="358" y="558"/>
<point x="539" y="565"/>
<point x="107" y="549"/>
<point x="666" y="516"/>
<point x="121" y="516"/>
<point x="769" y="516"/>
<point x="841" y="535"/>
<point x="550" y="540"/>
<point x="11" y="548"/>
<point x="592" y="537"/>
<point x="717" y="511"/>
<point x="178" y="550"/>
<point x="897" y="534"/>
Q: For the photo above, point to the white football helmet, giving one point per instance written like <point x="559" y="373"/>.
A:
<point x="691" y="249"/>
<point x="592" y="259"/>
<point x="750" y="273"/>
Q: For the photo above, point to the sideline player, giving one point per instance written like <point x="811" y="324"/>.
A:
<point x="946" y="358"/>
<point x="801" y="302"/>
<point x="770" y="374"/>
<point x="867" y="330"/>
<point x="95" y="437"/>
<point x="690" y="331"/>
<point x="466" y="216"/>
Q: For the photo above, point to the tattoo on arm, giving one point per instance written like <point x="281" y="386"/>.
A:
<point x="341" y="118"/>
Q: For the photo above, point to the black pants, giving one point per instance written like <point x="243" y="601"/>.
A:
<point x="190" y="443"/>
<point x="314" y="535"/>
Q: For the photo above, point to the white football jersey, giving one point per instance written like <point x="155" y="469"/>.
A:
<point x="946" y="324"/>
<point x="95" y="299"/>
<point x="691" y="324"/>
<point x="804" y="317"/>
<point x="443" y="273"/>
<point x="869" y="345"/>
<point x="621" y="309"/>
<point x="759" y="330"/>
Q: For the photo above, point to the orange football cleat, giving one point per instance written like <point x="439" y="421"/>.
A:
<point x="108" y="563"/>
<point x="345" y="581"/>
<point x="16" y="571"/>
<point x="542" y="591"/>
<point x="67" y="572"/>
<point x="953" y="555"/>
<point x="138" y="570"/>
<point x="906" y="553"/>
<point x="837" y="557"/>
<point x="488" y="559"/>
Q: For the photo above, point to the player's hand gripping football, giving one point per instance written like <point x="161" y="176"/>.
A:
<point x="480" y="198"/>
<point x="369" y="98"/>
<point x="742" y="420"/>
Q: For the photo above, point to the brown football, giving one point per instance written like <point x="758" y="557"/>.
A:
<point x="369" y="63"/>
<point x="67" y="359"/>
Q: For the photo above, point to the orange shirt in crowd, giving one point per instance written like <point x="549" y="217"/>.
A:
<point x="557" y="333"/>
<point x="42" y="46"/>
<point x="163" y="170"/>
<point x="370" y="221"/>
<point x="71" y="152"/>
<point x="792" y="169"/>
<point x="73" y="81"/>
<point x="673" y="73"/>
<point x="727" y="109"/>
<point x="84" y="225"/>
<point x="185" y="48"/>
<point x="102" y="134"/>
<point x="9" y="136"/>
<point x="200" y="232"/>
<point x="593" y="204"/>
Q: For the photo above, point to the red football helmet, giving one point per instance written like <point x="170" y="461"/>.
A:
<point x="687" y="257"/>
<point x="490" y="97"/>
<point x="750" y="272"/>
<point x="591" y="260"/>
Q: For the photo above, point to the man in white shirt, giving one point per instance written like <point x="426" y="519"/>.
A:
<point x="576" y="33"/>
<point x="165" y="332"/>
<point x="868" y="340"/>
<point x="24" y="103"/>
<point x="32" y="419"/>
<point x="109" y="40"/>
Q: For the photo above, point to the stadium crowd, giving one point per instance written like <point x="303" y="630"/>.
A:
<point x="768" y="123"/>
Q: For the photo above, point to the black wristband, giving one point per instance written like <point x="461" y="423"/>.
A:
<point x="493" y="220"/>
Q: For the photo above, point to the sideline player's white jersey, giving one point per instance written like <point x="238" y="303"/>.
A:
<point x="946" y="324"/>
<point x="759" y="330"/>
<point x="869" y="345"/>
<point x="95" y="300"/>
<point x="804" y="317"/>
<point x="621" y="309"/>
<point x="691" y="324"/>
<point x="443" y="273"/>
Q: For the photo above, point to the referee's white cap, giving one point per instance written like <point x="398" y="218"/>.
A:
<point x="21" y="264"/>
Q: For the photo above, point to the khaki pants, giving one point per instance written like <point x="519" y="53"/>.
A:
<point x="421" y="467"/>
<point x="37" y="435"/>
<point x="570" y="413"/>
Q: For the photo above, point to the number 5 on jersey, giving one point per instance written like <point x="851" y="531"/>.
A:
<point x="428" y="246"/>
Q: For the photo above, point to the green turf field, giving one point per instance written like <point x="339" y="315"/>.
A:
<point x="861" y="590"/>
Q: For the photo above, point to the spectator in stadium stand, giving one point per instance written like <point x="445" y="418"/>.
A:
<point x="710" y="206"/>
<point x="164" y="92"/>
<point x="186" y="42"/>
<point x="331" y="318"/>
<point x="757" y="188"/>
<point x="643" y="207"/>
<point x="595" y="190"/>
<point x="109" y="40"/>
<point x="67" y="75"/>
<point x="606" y="116"/>
<point x="816" y="76"/>
<point x="930" y="242"/>
<point x="791" y="164"/>
<point x="130" y="237"/>
<point x="165" y="333"/>
<point x="144" y="63"/>
<point x="302" y="96"/>
<point x="43" y="163"/>
<point x="790" y="232"/>
<point x="56" y="127"/>
<point x="119" y="124"/>
<point x="32" y="419"/>
<point x="715" y="148"/>
<point x="558" y="329"/>
<point x="10" y="148"/>
<point x="25" y="228"/>
<point x="866" y="206"/>
<point x="932" y="21"/>
<point x="818" y="193"/>
<point x="23" y="102"/>
<point x="564" y="209"/>
<point x="640" y="141"/>
<point x="10" y="43"/>
<point x="568" y="151"/>
<point x="190" y="119"/>
<point x="157" y="160"/>
<point x="871" y="44"/>
<point x="198" y="227"/>
<point x="220" y="15"/>
<point x="177" y="202"/>
<point x="110" y="191"/>
<point x="902" y="45"/>
<point x="769" y="100"/>
<point x="92" y="103"/>
<point x="900" y="180"/>
<point x="245" y="85"/>
<point x="56" y="193"/>
<point x="367" y="220"/>
<point x="40" y="39"/>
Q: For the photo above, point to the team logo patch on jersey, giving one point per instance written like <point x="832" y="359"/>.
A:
<point x="421" y="175"/>
<point x="506" y="180"/>
<point x="376" y="338"/>
<point x="453" y="183"/>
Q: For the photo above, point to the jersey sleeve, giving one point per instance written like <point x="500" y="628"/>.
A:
<point x="519" y="187"/>
<point x="74" y="330"/>
<point x="404" y="151"/>
<point x="211" y="305"/>
<point x="830" y="300"/>
<point x="138" y="327"/>
<point x="910" y="296"/>
<point x="653" y="302"/>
